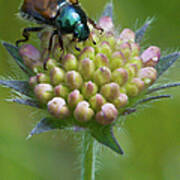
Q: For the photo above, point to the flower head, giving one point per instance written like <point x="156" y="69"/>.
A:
<point x="92" y="88"/>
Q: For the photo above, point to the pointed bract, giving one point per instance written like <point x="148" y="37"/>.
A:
<point x="166" y="61"/>
<point x="13" y="51"/>
<point x="19" y="86"/>
<point x="47" y="124"/>
<point x="152" y="98"/>
<point x="165" y="86"/>
<point x="108" y="10"/>
<point x="28" y="102"/>
<point x="141" y="32"/>
<point x="104" y="134"/>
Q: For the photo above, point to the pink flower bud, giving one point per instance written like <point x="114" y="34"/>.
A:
<point x="121" y="100"/>
<point x="74" y="98"/>
<point x="86" y="68"/>
<point x="44" y="92"/>
<point x="57" y="75"/>
<point x="51" y="63"/>
<point x="97" y="101"/>
<point x="110" y="91"/>
<point x="42" y="78"/>
<point x="105" y="48"/>
<point x="33" y="81"/>
<point x="106" y="23"/>
<point x="102" y="76"/>
<point x="107" y="115"/>
<point x="148" y="75"/>
<point x="139" y="83"/>
<point x="151" y="56"/>
<point x="89" y="89"/>
<point x="61" y="91"/>
<point x="82" y="112"/>
<point x="69" y="62"/>
<point x="57" y="107"/>
<point x="87" y="52"/>
<point x="127" y="35"/>
<point x="74" y="80"/>
<point x="29" y="54"/>
<point x="101" y="60"/>
<point x="120" y="76"/>
<point x="117" y="60"/>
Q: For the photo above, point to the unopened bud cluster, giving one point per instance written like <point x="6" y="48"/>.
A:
<point x="95" y="83"/>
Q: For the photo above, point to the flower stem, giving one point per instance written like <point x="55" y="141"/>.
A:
<point x="88" y="157"/>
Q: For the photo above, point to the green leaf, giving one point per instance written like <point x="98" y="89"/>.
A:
<point x="104" y="134"/>
<point x="166" y="62"/>
<point x="27" y="102"/>
<point x="141" y="32"/>
<point x="19" y="86"/>
<point x="48" y="124"/>
<point x="13" y="51"/>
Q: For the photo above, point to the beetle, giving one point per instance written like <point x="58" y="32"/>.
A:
<point x="65" y="16"/>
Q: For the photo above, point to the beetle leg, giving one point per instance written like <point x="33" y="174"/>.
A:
<point x="26" y="34"/>
<point x="49" y="47"/>
<point x="75" y="40"/>
<point x="60" y="39"/>
<point x="95" y="25"/>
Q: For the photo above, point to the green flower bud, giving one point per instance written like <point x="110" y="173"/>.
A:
<point x="137" y="61"/>
<point x="135" y="49"/>
<point x="74" y="80"/>
<point x="57" y="75"/>
<point x="87" y="52"/>
<point x="42" y="78"/>
<point x="89" y="89"/>
<point x="43" y="92"/>
<point x="131" y="89"/>
<point x="109" y="36"/>
<point x="61" y="91"/>
<point x="107" y="115"/>
<point x="127" y="35"/>
<point x="120" y="76"/>
<point x="110" y="91"/>
<point x="121" y="101"/>
<point x="148" y="75"/>
<point x="139" y="83"/>
<point x="125" y="48"/>
<point x="132" y="70"/>
<point x="51" y="63"/>
<point x="97" y="101"/>
<point x="70" y="62"/>
<point x="33" y="81"/>
<point x="82" y="112"/>
<point x="101" y="60"/>
<point x="104" y="48"/>
<point x="74" y="98"/>
<point x="86" y="68"/>
<point x="57" y="107"/>
<point x="102" y="76"/>
<point x="117" y="60"/>
<point x="151" y="56"/>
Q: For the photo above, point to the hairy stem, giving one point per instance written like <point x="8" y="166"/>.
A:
<point x="88" y="157"/>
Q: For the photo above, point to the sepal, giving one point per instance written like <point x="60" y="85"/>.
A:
<point x="104" y="134"/>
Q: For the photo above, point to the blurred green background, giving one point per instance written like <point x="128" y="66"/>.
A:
<point x="150" y="138"/>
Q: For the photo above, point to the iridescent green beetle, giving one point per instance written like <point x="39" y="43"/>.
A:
<point x="66" y="16"/>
